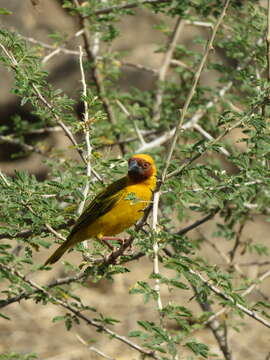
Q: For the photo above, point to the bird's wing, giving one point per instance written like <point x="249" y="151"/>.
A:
<point x="101" y="204"/>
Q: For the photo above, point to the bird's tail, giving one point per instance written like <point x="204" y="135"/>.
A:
<point x="58" y="253"/>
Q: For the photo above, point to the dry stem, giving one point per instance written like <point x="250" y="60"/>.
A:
<point x="164" y="67"/>
<point x="268" y="40"/>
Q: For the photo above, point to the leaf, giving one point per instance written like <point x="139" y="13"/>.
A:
<point x="138" y="333"/>
<point x="4" y="316"/>
<point x="58" y="318"/>
<point x="198" y="348"/>
<point x="4" y="11"/>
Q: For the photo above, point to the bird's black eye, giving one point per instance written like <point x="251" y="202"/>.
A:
<point x="145" y="165"/>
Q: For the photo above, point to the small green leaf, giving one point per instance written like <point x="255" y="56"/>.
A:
<point x="4" y="11"/>
<point x="198" y="348"/>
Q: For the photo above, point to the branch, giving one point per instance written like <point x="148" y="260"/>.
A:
<point x="189" y="161"/>
<point x="140" y="67"/>
<point x="226" y="297"/>
<point x="198" y="222"/>
<point x="128" y="6"/>
<point x="166" y="63"/>
<point x="164" y="68"/>
<point x="86" y="134"/>
<point x="219" y="330"/>
<point x="193" y="89"/>
<point x="94" y="349"/>
<point x="55" y="50"/>
<point x="244" y="293"/>
<point x="74" y="310"/>
<point x="25" y="147"/>
<point x="96" y="77"/>
<point x="156" y="251"/>
<point x="190" y="123"/>
<point x="268" y="40"/>
<point x="5" y="181"/>
<point x="200" y="112"/>
<point x="28" y="294"/>
<point x="14" y="65"/>
<point x="127" y="113"/>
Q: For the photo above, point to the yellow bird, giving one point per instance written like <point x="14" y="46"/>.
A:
<point x="116" y="208"/>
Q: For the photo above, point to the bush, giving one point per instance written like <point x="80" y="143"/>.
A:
<point x="210" y="141"/>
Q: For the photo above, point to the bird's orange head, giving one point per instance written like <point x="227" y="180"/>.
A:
<point x="141" y="167"/>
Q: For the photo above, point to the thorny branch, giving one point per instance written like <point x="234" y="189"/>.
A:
<point x="192" y="91"/>
<point x="6" y="139"/>
<point x="165" y="66"/>
<point x="268" y="40"/>
<point x="129" y="6"/>
<point x="14" y="65"/>
<point x="74" y="310"/>
<point x="94" y="349"/>
<point x="190" y="124"/>
<point x="179" y="125"/>
<point x="218" y="329"/>
<point x="218" y="292"/>
<point x="96" y="77"/>
<point x="87" y="136"/>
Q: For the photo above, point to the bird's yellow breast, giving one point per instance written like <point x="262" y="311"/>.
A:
<point x="127" y="211"/>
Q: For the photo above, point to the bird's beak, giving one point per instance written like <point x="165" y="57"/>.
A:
<point x="133" y="167"/>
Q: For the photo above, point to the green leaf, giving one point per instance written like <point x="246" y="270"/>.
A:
<point x="198" y="348"/>
<point x="4" y="11"/>
<point x="4" y="316"/>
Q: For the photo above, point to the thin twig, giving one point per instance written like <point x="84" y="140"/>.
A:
<point x="165" y="66"/>
<point x="129" y="6"/>
<point x="62" y="48"/>
<point x="192" y="91"/>
<point x="3" y="177"/>
<point x="7" y="139"/>
<point x="186" y="163"/>
<point x="25" y="295"/>
<point x="127" y="113"/>
<point x="96" y="77"/>
<point x="210" y="137"/>
<point x="201" y="111"/>
<point x="268" y="40"/>
<point x="15" y="64"/>
<point x="218" y="329"/>
<point x="140" y="67"/>
<point x="51" y="47"/>
<point x="55" y="233"/>
<point x="93" y="349"/>
<point x="244" y="293"/>
<point x="176" y="62"/>
<point x="87" y="136"/>
<point x="226" y="297"/>
<point x="190" y="123"/>
<point x="156" y="251"/>
<point x="198" y="222"/>
<point x="50" y="107"/>
<point x="200" y="23"/>
<point x="237" y="239"/>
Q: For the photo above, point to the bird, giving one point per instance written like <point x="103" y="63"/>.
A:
<point x="115" y="209"/>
